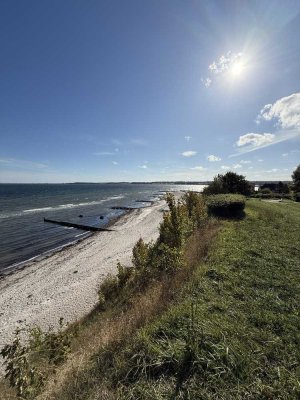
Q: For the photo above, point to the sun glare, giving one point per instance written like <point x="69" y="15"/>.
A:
<point x="237" y="69"/>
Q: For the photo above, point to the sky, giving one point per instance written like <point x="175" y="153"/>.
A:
<point x="148" y="90"/>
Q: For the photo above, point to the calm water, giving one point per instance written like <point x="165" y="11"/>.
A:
<point x="23" y="232"/>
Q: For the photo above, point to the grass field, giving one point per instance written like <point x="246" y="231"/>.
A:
<point x="235" y="333"/>
<point x="226" y="328"/>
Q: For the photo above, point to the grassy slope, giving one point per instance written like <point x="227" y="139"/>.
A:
<point x="235" y="333"/>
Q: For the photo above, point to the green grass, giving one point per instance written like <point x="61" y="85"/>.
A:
<point x="235" y="332"/>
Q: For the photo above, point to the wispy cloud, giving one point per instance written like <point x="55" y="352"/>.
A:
<point x="254" y="141"/>
<point x="189" y="153"/>
<point x="213" y="158"/>
<point x="105" y="153"/>
<point x="188" y="138"/>
<point x="23" y="164"/>
<point x="231" y="167"/>
<point x="142" y="166"/>
<point x="198" y="168"/>
<point x="115" y="162"/>
<point x="285" y="154"/>
<point x="245" y="162"/>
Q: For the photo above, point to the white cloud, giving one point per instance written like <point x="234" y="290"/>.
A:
<point x="285" y="110"/>
<point x="245" y="162"/>
<point x="255" y="139"/>
<point x="286" y="113"/>
<point x="23" y="164"/>
<point x="260" y="160"/>
<point x="225" y="167"/>
<point x="143" y="166"/>
<point x="104" y="153"/>
<point x="285" y="154"/>
<point x="224" y="62"/>
<point x="189" y="153"/>
<point x="221" y="66"/>
<point x="206" y="81"/>
<point x="237" y="166"/>
<point x="188" y="138"/>
<point x="213" y="158"/>
<point x="198" y="168"/>
<point x="115" y="162"/>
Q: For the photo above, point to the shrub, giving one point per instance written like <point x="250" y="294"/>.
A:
<point x="176" y="225"/>
<point x="196" y="208"/>
<point x="140" y="255"/>
<point x="225" y="205"/>
<point x="166" y="259"/>
<point x="229" y="183"/>
<point x="25" y="364"/>
<point x="297" y="197"/>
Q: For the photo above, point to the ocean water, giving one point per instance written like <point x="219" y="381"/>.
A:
<point x="23" y="233"/>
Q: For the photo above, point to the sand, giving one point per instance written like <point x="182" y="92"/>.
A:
<point x="66" y="283"/>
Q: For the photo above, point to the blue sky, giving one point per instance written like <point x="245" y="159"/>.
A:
<point x="148" y="90"/>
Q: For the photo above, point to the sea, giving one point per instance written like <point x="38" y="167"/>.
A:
<point x="25" y="236"/>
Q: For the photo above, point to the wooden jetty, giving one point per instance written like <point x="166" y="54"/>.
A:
<point x="79" y="226"/>
<point x="122" y="208"/>
<point x="145" y="201"/>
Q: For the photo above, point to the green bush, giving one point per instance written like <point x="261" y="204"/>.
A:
<point x="26" y="366"/>
<point x="225" y="205"/>
<point x="229" y="183"/>
<point x="297" y="197"/>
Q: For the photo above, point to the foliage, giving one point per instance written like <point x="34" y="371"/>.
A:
<point x="140" y="255"/>
<point x="18" y="370"/>
<point x="196" y="208"/>
<point x="176" y="225"/>
<point x="279" y="187"/>
<point x="25" y="364"/>
<point x="226" y="205"/>
<point x="272" y="195"/>
<point x="229" y="183"/>
<point x="296" y="179"/>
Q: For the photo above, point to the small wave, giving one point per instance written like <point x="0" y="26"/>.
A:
<point x="59" y="207"/>
<point x="82" y="234"/>
<point x="32" y="210"/>
<point x="114" y="198"/>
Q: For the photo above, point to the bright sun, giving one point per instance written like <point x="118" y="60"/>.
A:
<point x="237" y="69"/>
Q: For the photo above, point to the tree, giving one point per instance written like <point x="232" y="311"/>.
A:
<point x="296" y="179"/>
<point x="229" y="183"/>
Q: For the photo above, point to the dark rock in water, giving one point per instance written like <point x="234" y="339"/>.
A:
<point x="101" y="217"/>
<point x="80" y="216"/>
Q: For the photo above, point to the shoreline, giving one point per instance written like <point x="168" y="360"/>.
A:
<point x="65" y="283"/>
<point x="20" y="265"/>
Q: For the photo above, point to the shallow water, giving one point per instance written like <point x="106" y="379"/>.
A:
<point x="23" y="232"/>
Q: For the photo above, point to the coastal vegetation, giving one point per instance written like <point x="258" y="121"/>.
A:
<point x="209" y="310"/>
<point x="229" y="183"/>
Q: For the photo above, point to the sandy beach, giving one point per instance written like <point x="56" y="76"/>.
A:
<point x="65" y="284"/>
